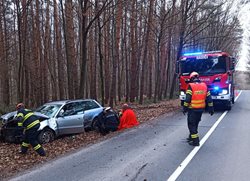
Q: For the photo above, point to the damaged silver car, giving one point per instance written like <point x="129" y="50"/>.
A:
<point x="57" y="118"/>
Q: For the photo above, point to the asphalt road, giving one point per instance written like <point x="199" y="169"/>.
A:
<point x="156" y="150"/>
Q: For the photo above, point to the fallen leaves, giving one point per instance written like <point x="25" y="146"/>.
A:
<point x="11" y="162"/>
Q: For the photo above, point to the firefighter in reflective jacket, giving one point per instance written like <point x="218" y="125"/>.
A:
<point x="31" y="123"/>
<point x="197" y="95"/>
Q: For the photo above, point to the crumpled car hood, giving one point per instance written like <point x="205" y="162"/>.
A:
<point x="9" y="116"/>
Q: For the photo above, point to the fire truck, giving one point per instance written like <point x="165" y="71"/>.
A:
<point x="216" y="69"/>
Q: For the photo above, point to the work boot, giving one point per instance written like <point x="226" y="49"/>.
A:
<point x="21" y="152"/>
<point x="41" y="151"/>
<point x="189" y="139"/>
<point x="195" y="142"/>
<point x="42" y="154"/>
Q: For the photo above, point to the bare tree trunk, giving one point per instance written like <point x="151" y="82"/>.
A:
<point x="118" y="42"/>
<point x="66" y="45"/>
<point x="38" y="57"/>
<point x="114" y="61"/>
<point x="101" y="60"/>
<point x="145" y="54"/>
<point x="70" y="48"/>
<point x="2" y="45"/>
<point x="84" y="8"/>
<point x="186" y="5"/>
<point x="4" y="56"/>
<point x="20" y="41"/>
<point x="59" y="54"/>
<point x="169" y="44"/>
<point x="86" y="25"/>
<point x="125" y="63"/>
<point x="93" y="62"/>
<point x="107" y="63"/>
<point x="150" y="72"/>
<point x="133" y="67"/>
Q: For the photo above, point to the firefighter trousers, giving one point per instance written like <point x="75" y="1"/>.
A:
<point x="31" y="137"/>
<point x="193" y="119"/>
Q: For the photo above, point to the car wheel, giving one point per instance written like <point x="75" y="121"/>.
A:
<point x="94" y="125"/>
<point x="46" y="136"/>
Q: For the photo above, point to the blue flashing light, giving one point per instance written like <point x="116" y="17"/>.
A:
<point x="194" y="53"/>
<point x="216" y="88"/>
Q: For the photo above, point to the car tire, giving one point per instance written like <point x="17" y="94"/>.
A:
<point x="45" y="136"/>
<point x="94" y="125"/>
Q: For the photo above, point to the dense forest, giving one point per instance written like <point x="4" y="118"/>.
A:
<point x="109" y="50"/>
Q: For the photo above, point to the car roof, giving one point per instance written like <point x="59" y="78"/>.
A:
<point x="68" y="101"/>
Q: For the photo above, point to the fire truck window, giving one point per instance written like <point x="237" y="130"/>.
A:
<point x="212" y="65"/>
<point x="219" y="65"/>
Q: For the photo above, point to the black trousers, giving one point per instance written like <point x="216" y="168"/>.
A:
<point x="107" y="123"/>
<point x="194" y="117"/>
<point x="31" y="137"/>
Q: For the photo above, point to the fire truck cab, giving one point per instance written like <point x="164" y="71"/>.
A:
<point x="215" y="68"/>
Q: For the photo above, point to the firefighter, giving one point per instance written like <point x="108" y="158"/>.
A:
<point x="30" y="123"/>
<point x="107" y="121"/>
<point x="197" y="95"/>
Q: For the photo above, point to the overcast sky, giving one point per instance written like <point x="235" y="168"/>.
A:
<point x="244" y="17"/>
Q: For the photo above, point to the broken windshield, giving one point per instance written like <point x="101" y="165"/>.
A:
<point x="209" y="66"/>
<point x="49" y="109"/>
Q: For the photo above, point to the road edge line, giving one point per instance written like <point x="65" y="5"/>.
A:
<point x="190" y="156"/>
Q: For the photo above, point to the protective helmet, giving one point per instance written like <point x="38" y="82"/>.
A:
<point x="194" y="75"/>
<point x="106" y="109"/>
<point x="19" y="106"/>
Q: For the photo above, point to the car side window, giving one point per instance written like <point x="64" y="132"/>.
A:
<point x="91" y="105"/>
<point x="69" y="109"/>
<point x="79" y="107"/>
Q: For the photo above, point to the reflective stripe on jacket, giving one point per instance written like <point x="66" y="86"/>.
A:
<point x="199" y="94"/>
<point x="27" y="119"/>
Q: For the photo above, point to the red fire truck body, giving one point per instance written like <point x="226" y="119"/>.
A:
<point x="215" y="68"/>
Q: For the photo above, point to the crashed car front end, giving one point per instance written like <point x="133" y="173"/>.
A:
<point x="10" y="131"/>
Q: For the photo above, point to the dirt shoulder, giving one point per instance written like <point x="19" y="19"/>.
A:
<point x="12" y="163"/>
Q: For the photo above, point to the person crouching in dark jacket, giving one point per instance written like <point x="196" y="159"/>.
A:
<point x="107" y="121"/>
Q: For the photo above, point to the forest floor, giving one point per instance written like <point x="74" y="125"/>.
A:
<point x="12" y="163"/>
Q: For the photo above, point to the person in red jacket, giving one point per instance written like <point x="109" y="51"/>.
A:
<point x="128" y="118"/>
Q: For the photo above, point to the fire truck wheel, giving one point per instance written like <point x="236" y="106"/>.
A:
<point x="228" y="105"/>
<point x="233" y="100"/>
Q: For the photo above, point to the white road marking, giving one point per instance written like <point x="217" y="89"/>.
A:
<point x="185" y="162"/>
